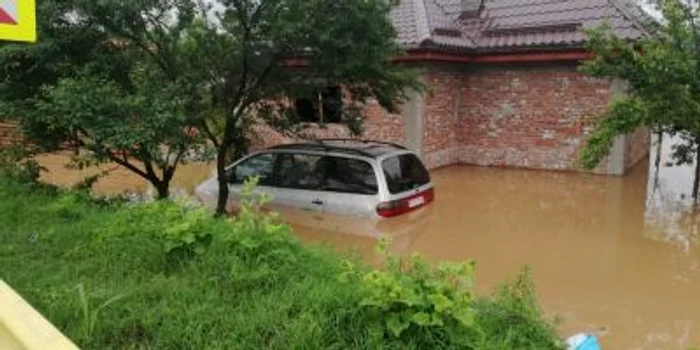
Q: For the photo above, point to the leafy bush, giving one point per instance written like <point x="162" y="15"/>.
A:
<point x="412" y="301"/>
<point x="16" y="164"/>
<point x="411" y="296"/>
<point x="162" y="275"/>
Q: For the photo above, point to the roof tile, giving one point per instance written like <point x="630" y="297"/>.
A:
<point x="512" y="23"/>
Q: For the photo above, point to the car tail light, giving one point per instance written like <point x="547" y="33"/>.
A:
<point x="405" y="205"/>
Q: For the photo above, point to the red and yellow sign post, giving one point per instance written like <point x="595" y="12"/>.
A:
<point x="18" y="20"/>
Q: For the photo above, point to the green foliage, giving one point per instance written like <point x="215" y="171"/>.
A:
<point x="181" y="231"/>
<point x="410" y="296"/>
<point x="411" y="301"/>
<point x="244" y="284"/>
<point x="624" y="116"/>
<point x="89" y="314"/>
<point x="662" y="71"/>
<point x="16" y="163"/>
<point x="93" y="81"/>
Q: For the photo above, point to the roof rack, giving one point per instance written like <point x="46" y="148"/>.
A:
<point x="322" y="147"/>
<point x="362" y="141"/>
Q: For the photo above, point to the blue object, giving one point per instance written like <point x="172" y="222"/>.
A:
<point x="583" y="342"/>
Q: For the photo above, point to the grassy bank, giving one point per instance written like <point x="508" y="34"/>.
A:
<point x="161" y="276"/>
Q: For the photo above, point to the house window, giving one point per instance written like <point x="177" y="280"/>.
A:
<point x="324" y="106"/>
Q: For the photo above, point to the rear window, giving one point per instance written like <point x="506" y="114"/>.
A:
<point x="404" y="173"/>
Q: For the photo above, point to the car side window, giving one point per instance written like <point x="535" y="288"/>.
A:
<point x="347" y="175"/>
<point x="261" y="166"/>
<point x="300" y="171"/>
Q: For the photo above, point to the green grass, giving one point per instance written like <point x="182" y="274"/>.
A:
<point x="161" y="276"/>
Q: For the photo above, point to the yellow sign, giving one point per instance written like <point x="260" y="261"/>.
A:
<point x="18" y="20"/>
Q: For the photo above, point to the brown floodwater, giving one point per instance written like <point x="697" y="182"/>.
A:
<point x="116" y="180"/>
<point x="618" y="257"/>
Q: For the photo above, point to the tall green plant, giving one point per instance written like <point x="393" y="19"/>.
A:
<point x="90" y="314"/>
<point x="409" y="296"/>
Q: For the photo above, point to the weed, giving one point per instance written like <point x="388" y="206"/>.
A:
<point x="89" y="314"/>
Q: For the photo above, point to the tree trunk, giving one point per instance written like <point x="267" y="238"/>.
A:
<point x="657" y="160"/>
<point x="696" y="181"/>
<point x="163" y="189"/>
<point x="223" y="182"/>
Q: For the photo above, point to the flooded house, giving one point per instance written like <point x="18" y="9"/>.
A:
<point x="503" y="88"/>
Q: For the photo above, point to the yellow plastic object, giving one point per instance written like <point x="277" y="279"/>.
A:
<point x="18" y="20"/>
<point x="23" y="328"/>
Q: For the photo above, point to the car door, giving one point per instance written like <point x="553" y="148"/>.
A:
<point x="261" y="166"/>
<point x="300" y="179"/>
<point x="351" y="186"/>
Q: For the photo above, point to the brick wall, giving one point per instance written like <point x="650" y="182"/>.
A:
<point x="530" y="116"/>
<point x="378" y="125"/>
<point x="440" y="130"/>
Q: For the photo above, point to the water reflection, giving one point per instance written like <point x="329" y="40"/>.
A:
<point x="670" y="212"/>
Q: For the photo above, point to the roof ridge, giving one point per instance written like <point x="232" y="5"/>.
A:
<point x="617" y="4"/>
<point x="422" y="21"/>
<point x="455" y="21"/>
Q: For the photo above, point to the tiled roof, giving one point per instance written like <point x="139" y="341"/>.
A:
<point x="512" y="24"/>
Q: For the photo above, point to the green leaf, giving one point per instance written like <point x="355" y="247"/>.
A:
<point x="395" y="325"/>
<point x="422" y="319"/>
<point x="440" y="302"/>
<point x="250" y="243"/>
<point x="466" y="317"/>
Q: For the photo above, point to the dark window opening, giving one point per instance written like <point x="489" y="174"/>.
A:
<point x="325" y="106"/>
<point x="306" y="110"/>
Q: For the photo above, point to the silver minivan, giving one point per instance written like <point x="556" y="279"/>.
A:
<point x="348" y="177"/>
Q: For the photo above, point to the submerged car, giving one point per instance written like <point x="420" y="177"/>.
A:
<point x="347" y="177"/>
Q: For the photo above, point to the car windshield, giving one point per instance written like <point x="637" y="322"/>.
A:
<point x="404" y="173"/>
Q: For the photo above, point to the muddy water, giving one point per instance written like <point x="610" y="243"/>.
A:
<point x="615" y="256"/>
<point x="117" y="180"/>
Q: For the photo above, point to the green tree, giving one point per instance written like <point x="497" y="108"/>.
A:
<point x="64" y="47"/>
<point x="258" y="55"/>
<point x="663" y="75"/>
<point x="106" y="75"/>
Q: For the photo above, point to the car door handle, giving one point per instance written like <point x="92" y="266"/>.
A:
<point x="317" y="202"/>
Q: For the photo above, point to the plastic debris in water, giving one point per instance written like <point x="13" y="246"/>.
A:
<point x="583" y="341"/>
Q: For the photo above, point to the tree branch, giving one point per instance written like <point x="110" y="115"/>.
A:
<point x="210" y="134"/>
<point x="242" y="13"/>
<point x="256" y="85"/>
<point x="125" y="163"/>
<point x="168" y="175"/>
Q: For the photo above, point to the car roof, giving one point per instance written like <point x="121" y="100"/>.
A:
<point x="365" y="148"/>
